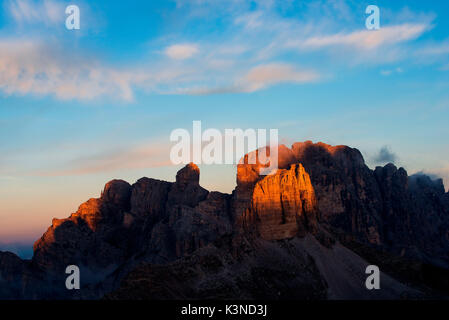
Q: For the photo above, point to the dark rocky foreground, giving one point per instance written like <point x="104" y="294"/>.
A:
<point x="306" y="232"/>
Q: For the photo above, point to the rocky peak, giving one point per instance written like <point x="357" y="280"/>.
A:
<point x="117" y="192"/>
<point x="248" y="174"/>
<point x="390" y="177"/>
<point x="309" y="152"/>
<point x="189" y="175"/>
<point x="425" y="183"/>
<point x="187" y="190"/>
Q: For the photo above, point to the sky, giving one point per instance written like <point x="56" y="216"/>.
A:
<point x="81" y="107"/>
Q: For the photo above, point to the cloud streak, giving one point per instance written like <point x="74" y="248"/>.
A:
<point x="145" y="155"/>
<point x="366" y="39"/>
<point x="259" y="78"/>
<point x="45" y="12"/>
<point x="263" y="76"/>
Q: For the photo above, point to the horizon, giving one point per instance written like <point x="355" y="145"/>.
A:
<point x="79" y="108"/>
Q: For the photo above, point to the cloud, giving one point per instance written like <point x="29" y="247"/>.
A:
<point x="263" y="76"/>
<point x="436" y="49"/>
<point x="181" y="51"/>
<point x="45" y="12"/>
<point x="29" y="67"/>
<point x="251" y="20"/>
<point x="145" y="155"/>
<point x="39" y="68"/>
<point x="258" y="78"/>
<point x="384" y="156"/>
<point x="442" y="173"/>
<point x="253" y="38"/>
<point x="434" y="175"/>
<point x="367" y="39"/>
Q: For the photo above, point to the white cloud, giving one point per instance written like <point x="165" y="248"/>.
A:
<point x="366" y="39"/>
<point x="33" y="67"/>
<point x="251" y="20"/>
<point x="181" y="51"/>
<point x="44" y="12"/>
<point x="29" y="67"/>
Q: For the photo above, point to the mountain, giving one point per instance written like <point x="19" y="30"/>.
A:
<point x="306" y="232"/>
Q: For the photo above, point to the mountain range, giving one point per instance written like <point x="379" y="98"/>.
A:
<point x="306" y="232"/>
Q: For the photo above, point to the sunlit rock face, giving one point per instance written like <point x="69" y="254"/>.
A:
<point x="344" y="189"/>
<point x="249" y="173"/>
<point x="408" y="216"/>
<point x="283" y="205"/>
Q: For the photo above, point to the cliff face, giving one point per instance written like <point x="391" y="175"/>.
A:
<point x="385" y="208"/>
<point x="415" y="215"/>
<point x="320" y="193"/>
<point x="347" y="193"/>
<point x="282" y="205"/>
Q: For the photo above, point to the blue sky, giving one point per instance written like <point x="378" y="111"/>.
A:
<point x="80" y="107"/>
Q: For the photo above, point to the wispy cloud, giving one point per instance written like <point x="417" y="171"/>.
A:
<point x="144" y="155"/>
<point x="439" y="173"/>
<point x="367" y="39"/>
<point x="181" y="51"/>
<point x="33" y="67"/>
<point x="391" y="71"/>
<point x="258" y="78"/>
<point x="241" y="62"/>
<point x="436" y="49"/>
<point x="28" y="67"/>
<point x="45" y="12"/>
<point x="270" y="74"/>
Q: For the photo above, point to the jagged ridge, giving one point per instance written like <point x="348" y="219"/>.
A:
<point x="320" y="191"/>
